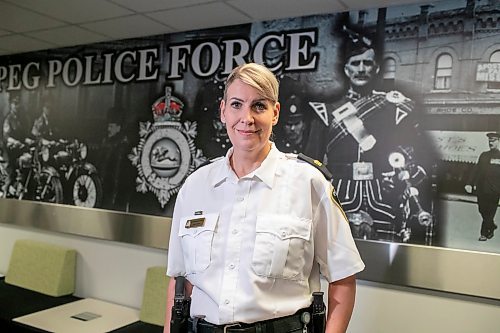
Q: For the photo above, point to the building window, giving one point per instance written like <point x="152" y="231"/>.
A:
<point x="495" y="57"/>
<point x="443" y="72"/>
<point x="389" y="69"/>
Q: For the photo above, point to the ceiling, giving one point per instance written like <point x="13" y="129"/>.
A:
<point x="29" y="25"/>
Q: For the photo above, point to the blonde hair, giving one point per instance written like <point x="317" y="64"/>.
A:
<point x="256" y="76"/>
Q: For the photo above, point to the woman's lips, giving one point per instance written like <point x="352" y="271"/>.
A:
<point x="248" y="132"/>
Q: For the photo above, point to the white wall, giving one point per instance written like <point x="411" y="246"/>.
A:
<point x="106" y="270"/>
<point x="388" y="309"/>
<point x="115" y="272"/>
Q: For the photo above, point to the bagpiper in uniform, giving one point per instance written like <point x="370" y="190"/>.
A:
<point x="370" y="143"/>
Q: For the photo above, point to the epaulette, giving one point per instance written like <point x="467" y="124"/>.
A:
<point x="317" y="164"/>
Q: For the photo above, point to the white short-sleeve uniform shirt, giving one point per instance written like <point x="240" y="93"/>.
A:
<point x="254" y="247"/>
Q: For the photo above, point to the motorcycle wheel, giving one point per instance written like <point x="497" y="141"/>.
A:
<point x="52" y="190"/>
<point x="87" y="190"/>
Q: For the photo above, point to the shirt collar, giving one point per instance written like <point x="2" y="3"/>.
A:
<point x="266" y="172"/>
<point x="222" y="173"/>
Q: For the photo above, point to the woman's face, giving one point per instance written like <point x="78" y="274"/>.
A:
<point x="249" y="117"/>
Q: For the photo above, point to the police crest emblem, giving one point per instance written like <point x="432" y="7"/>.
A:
<point x="166" y="153"/>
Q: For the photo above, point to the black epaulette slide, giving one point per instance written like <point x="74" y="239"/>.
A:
<point x="317" y="164"/>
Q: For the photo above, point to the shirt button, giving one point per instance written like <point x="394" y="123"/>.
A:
<point x="235" y="231"/>
<point x="283" y="233"/>
<point x="240" y="199"/>
<point x="226" y="301"/>
<point x="231" y="266"/>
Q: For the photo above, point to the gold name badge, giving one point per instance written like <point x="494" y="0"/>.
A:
<point x="195" y="223"/>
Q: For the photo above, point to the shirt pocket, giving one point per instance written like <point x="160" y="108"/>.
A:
<point x="282" y="245"/>
<point x="197" y="239"/>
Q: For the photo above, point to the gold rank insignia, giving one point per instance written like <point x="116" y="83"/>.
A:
<point x="317" y="164"/>
<point x="195" y="223"/>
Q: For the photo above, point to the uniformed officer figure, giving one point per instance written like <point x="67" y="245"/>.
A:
<point x="357" y="138"/>
<point x="293" y="131"/>
<point x="118" y="174"/>
<point x="14" y="135"/>
<point x="42" y="127"/>
<point x="253" y="231"/>
<point x="485" y="178"/>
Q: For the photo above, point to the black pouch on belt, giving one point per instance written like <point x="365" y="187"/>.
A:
<point x="318" y="313"/>
<point x="180" y="310"/>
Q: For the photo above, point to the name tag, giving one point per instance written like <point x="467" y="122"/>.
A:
<point x="195" y="223"/>
<point x="495" y="161"/>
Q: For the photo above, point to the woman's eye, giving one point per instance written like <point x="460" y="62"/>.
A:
<point x="260" y="106"/>
<point x="236" y="105"/>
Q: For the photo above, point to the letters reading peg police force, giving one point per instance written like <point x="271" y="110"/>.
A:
<point x="143" y="64"/>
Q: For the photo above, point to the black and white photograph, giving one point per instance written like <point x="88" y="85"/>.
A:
<point x="400" y="104"/>
<point x="265" y="165"/>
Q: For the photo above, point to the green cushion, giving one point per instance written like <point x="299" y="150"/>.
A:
<point x="154" y="298"/>
<point x="42" y="267"/>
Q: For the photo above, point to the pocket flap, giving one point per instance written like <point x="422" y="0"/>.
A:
<point x="195" y="224"/>
<point x="284" y="226"/>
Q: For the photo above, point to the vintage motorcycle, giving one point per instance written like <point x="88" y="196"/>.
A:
<point x="34" y="179"/>
<point x="82" y="184"/>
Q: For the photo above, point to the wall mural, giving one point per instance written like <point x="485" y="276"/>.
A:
<point x="398" y="103"/>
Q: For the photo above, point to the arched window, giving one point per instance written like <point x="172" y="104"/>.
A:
<point x="444" y="66"/>
<point x="495" y="57"/>
<point x="389" y="69"/>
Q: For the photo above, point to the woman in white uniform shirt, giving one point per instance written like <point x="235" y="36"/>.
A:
<point x="269" y="224"/>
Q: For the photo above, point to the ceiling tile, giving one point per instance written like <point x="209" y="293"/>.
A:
<point x="203" y="16"/>
<point x="75" y="11"/>
<point x="20" y="20"/>
<point x="153" y="5"/>
<point x="286" y="8"/>
<point x="67" y="36"/>
<point x="128" y="27"/>
<point x="20" y="43"/>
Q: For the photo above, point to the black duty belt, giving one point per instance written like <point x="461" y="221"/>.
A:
<point x="286" y="324"/>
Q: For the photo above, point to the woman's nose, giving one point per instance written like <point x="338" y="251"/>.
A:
<point x="247" y="116"/>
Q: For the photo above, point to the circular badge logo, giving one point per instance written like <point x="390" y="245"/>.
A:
<point x="165" y="156"/>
